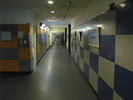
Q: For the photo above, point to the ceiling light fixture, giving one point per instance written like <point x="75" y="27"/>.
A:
<point x="50" y="2"/>
<point x="99" y="25"/>
<point x="122" y="5"/>
<point x="68" y="2"/>
<point x="52" y="11"/>
<point x="53" y="17"/>
<point x="88" y="28"/>
<point x="66" y="9"/>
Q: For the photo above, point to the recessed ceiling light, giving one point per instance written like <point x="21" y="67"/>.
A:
<point x="50" y="2"/>
<point x="122" y="5"/>
<point x="53" y="11"/>
<point x="66" y="9"/>
<point x="53" y="17"/>
<point x="68" y="2"/>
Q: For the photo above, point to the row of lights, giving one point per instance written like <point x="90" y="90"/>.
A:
<point x="68" y="3"/>
<point x="51" y="2"/>
<point x="64" y="15"/>
<point x="90" y="28"/>
<point x="44" y="27"/>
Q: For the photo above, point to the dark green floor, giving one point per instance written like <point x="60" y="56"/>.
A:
<point x="55" y="78"/>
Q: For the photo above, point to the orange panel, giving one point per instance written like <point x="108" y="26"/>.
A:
<point x="24" y="53"/>
<point x="24" y="28"/>
<point x="31" y="55"/>
<point x="10" y="44"/>
<point x="31" y="30"/>
<point x="9" y="65"/>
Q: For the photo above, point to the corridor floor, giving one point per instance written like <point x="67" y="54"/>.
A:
<point x="55" y="78"/>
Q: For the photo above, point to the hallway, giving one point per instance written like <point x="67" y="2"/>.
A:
<point x="55" y="78"/>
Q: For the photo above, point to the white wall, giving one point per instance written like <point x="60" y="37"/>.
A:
<point x="17" y="16"/>
<point x="92" y="9"/>
<point x="67" y="38"/>
<point x="48" y="39"/>
<point x="56" y="30"/>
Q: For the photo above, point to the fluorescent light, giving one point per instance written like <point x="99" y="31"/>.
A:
<point x="50" y="2"/>
<point x="99" y="25"/>
<point x="88" y="28"/>
<point x="42" y="27"/>
<point x="46" y="28"/>
<point x="52" y="11"/>
<point x="83" y="29"/>
<point x="122" y="5"/>
<point x="53" y="17"/>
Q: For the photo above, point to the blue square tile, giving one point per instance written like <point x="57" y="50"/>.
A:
<point x="24" y="65"/>
<point x="104" y="91"/>
<point x="86" y="71"/>
<point x="124" y="21"/>
<point x="94" y="62"/>
<point x="107" y="47"/>
<point x="123" y="83"/>
<point x="81" y="52"/>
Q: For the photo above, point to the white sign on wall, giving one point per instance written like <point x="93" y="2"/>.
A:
<point x="20" y="35"/>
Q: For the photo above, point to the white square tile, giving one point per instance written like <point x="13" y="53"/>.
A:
<point x="124" y="51"/>
<point x="94" y="50"/>
<point x="106" y="71"/>
<point x="87" y="57"/>
<point x="93" y="79"/>
<point x="116" y="96"/>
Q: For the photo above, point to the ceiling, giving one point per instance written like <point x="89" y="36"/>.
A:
<point x="42" y="9"/>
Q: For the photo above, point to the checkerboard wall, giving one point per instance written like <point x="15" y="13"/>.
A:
<point x="41" y="45"/>
<point x="15" y="57"/>
<point x="109" y="68"/>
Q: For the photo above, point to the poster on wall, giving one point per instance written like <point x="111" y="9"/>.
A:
<point x="94" y="38"/>
<point x="44" y="37"/>
<point x="20" y="35"/>
<point x="5" y="36"/>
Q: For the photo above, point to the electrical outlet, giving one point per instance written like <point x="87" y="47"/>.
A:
<point x="109" y="55"/>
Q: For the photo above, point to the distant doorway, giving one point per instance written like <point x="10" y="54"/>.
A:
<point x="58" y="38"/>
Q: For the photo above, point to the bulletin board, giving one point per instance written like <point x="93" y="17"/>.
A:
<point x="5" y="36"/>
<point x="94" y="38"/>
